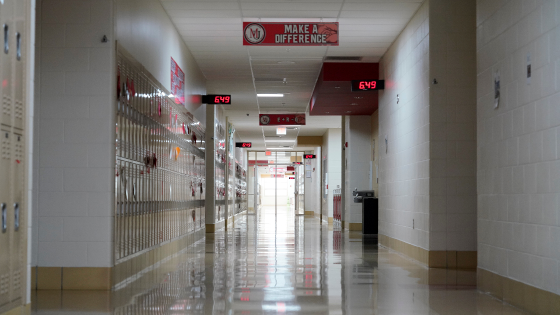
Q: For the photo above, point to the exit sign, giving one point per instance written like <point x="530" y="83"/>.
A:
<point x="309" y="156"/>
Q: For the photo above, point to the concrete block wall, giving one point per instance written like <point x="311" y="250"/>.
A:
<point x="357" y="165"/>
<point x="452" y="166"/>
<point x="518" y="157"/>
<point x="332" y="146"/>
<point x="404" y="115"/>
<point x="74" y="134"/>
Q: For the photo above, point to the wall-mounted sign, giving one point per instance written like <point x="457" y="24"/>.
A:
<point x="290" y="34"/>
<point x="291" y="178"/>
<point x="216" y="99"/>
<point x="177" y="83"/>
<point x="367" y="85"/>
<point x="268" y="153"/>
<point x="309" y="156"/>
<point x="243" y="144"/>
<point x="281" y="119"/>
<point x="297" y="163"/>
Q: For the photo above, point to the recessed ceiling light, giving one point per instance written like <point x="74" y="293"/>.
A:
<point x="337" y="87"/>
<point x="275" y="140"/>
<point x="270" y="95"/>
<point x="358" y="97"/>
<point x="354" y="104"/>
<point x="348" y="111"/>
<point x="286" y="62"/>
<point x="327" y="112"/>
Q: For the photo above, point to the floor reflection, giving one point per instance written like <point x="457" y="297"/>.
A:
<point x="277" y="262"/>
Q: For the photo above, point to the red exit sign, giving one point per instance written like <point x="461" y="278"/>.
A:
<point x="243" y="144"/>
<point x="309" y="156"/>
<point x="298" y="163"/>
<point x="292" y="178"/>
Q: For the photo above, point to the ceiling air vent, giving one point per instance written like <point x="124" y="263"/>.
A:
<point x="343" y="58"/>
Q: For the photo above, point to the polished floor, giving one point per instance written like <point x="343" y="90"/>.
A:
<point x="279" y="263"/>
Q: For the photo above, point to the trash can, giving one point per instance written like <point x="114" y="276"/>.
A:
<point x="370" y="215"/>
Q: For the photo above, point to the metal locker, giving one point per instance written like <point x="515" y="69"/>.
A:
<point x="18" y="216"/>
<point x="6" y="60"/>
<point x="5" y="217"/>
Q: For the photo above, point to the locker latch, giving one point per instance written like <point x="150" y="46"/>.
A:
<point x="16" y="216"/>
<point x="4" y="218"/>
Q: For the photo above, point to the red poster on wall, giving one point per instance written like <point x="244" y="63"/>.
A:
<point x="290" y="34"/>
<point x="177" y="83"/>
<point x="281" y="119"/>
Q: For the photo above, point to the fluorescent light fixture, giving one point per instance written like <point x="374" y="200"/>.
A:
<point x="279" y="148"/>
<point x="271" y="95"/>
<point x="281" y="131"/>
<point x="287" y="140"/>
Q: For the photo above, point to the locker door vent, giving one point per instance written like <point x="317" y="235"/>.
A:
<point x="6" y="145"/>
<point x="6" y="106"/>
<point x="18" y="111"/>
<point x="17" y="281"/>
<point x="4" y="283"/>
<point x="19" y="149"/>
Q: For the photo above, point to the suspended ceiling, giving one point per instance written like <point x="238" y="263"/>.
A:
<point x="212" y="29"/>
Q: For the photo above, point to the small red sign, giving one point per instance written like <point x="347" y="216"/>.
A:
<point x="292" y="178"/>
<point x="290" y="34"/>
<point x="281" y="119"/>
<point x="177" y="83"/>
<point x="268" y="153"/>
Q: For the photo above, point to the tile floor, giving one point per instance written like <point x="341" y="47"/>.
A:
<point x="278" y="263"/>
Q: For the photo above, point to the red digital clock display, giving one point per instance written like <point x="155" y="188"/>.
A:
<point x="309" y="156"/>
<point x="368" y="85"/>
<point x="216" y="99"/>
<point x="243" y="144"/>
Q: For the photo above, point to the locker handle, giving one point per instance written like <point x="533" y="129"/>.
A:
<point x="6" y="39"/>
<point x="4" y="218"/>
<point x="16" y="216"/>
<point x="18" y="46"/>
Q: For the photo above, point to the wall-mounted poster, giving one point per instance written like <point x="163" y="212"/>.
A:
<point x="177" y="83"/>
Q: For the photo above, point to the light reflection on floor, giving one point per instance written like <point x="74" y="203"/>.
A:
<point x="279" y="263"/>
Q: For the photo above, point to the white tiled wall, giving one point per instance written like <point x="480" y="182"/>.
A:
<point x="73" y="149"/>
<point x="332" y="147"/>
<point x="313" y="184"/>
<point x="452" y="166"/>
<point x="357" y="167"/>
<point x="404" y="120"/>
<point x="518" y="165"/>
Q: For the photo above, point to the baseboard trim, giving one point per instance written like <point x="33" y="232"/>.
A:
<point x="19" y="310"/>
<point x="519" y="294"/>
<point x="212" y="228"/>
<point x="463" y="260"/>
<point x="309" y="213"/>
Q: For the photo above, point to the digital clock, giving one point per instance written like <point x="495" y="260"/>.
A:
<point x="216" y="99"/>
<point x="243" y="144"/>
<point x="309" y="156"/>
<point x="367" y="85"/>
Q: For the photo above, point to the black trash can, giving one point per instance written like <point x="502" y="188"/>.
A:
<point x="370" y="215"/>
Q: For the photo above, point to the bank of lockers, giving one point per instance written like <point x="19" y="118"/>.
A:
<point x="13" y="207"/>
<point x="160" y="164"/>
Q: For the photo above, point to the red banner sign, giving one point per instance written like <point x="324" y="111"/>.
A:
<point x="281" y="119"/>
<point x="290" y="34"/>
<point x="177" y="83"/>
